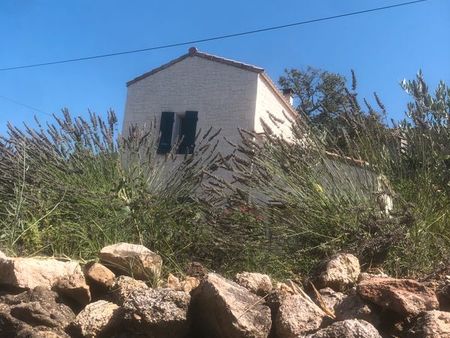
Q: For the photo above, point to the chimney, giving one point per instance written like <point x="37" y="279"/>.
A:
<point x="288" y="93"/>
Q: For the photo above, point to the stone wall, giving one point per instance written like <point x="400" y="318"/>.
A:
<point x="45" y="297"/>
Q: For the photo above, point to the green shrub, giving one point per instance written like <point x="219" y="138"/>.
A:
<point x="76" y="186"/>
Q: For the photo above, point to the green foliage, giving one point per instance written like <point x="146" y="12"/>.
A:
<point x="273" y="205"/>
<point x="76" y="186"/>
<point x="332" y="109"/>
<point x="313" y="202"/>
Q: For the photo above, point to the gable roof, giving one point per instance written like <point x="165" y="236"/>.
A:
<point x="195" y="52"/>
<point x="245" y="66"/>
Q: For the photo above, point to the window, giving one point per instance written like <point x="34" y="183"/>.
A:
<point x="178" y="129"/>
<point x="188" y="128"/>
<point x="165" y="132"/>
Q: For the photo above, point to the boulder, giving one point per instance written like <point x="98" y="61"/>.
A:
<point x="352" y="328"/>
<point x="123" y="286"/>
<point x="297" y="316"/>
<point x="339" y="273"/>
<point x="158" y="313"/>
<point x="97" y="319"/>
<point x="132" y="259"/>
<point x="431" y="324"/>
<point x="222" y="308"/>
<point x="74" y="287"/>
<point x="404" y="296"/>
<point x="33" y="308"/>
<point x="352" y="306"/>
<point x="29" y="273"/>
<point x="100" y="275"/>
<point x="255" y="282"/>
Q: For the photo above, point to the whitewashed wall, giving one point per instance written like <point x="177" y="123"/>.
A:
<point x="223" y="95"/>
<point x="268" y="102"/>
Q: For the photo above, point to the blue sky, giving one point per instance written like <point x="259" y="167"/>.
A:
<point x="382" y="47"/>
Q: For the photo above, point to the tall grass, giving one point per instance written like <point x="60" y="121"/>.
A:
<point x="312" y="203"/>
<point x="76" y="185"/>
<point x="273" y="205"/>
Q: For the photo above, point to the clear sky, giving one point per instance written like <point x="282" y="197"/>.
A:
<point x="382" y="47"/>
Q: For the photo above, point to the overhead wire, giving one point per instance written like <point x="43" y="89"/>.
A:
<point x="213" y="38"/>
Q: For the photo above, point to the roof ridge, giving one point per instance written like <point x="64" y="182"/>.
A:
<point x="195" y="52"/>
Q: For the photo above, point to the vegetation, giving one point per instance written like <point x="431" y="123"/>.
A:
<point x="329" y="104"/>
<point x="73" y="187"/>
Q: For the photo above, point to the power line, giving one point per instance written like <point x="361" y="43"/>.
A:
<point x="24" y="105"/>
<point x="214" y="38"/>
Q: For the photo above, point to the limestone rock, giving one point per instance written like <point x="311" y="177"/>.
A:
<point x="158" y="313"/>
<point x="340" y="272"/>
<point x="431" y="324"/>
<point x="403" y="296"/>
<point x="97" y="319"/>
<point x="32" y="272"/>
<point x="123" y="287"/>
<point x="255" y="282"/>
<point x="40" y="332"/>
<point x="32" y="308"/>
<point x="132" y="259"/>
<point x="74" y="287"/>
<point x="297" y="316"/>
<point x="173" y="282"/>
<point x="224" y="309"/>
<point x="189" y="283"/>
<point x="352" y="328"/>
<point x="100" y="275"/>
<point x="331" y="298"/>
<point x="352" y="306"/>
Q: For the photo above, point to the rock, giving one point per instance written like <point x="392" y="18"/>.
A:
<point x="2" y="255"/>
<point x="123" y="286"/>
<point x="74" y="287"/>
<point x="255" y="282"/>
<point x="186" y="285"/>
<point x="29" y="273"/>
<point x="158" y="313"/>
<point x="297" y="316"/>
<point x="353" y="307"/>
<point x="331" y="298"/>
<point x="340" y="272"/>
<point x="403" y="296"/>
<point x="352" y="328"/>
<point x="100" y="275"/>
<point x="40" y="332"/>
<point x="97" y="319"/>
<point x="32" y="308"/>
<point x="196" y="269"/>
<point x="173" y="282"/>
<point x="367" y="275"/>
<point x="431" y="324"/>
<point x="224" y="309"/>
<point x="132" y="259"/>
<point x="189" y="284"/>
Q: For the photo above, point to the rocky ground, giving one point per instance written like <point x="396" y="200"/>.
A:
<point x="47" y="297"/>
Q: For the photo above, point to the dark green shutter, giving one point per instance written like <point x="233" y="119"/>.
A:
<point x="188" y="130"/>
<point x="165" y="132"/>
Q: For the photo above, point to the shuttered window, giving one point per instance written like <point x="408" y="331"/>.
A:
<point x="188" y="130"/>
<point x="165" y="131"/>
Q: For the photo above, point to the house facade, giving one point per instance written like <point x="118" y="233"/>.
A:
<point x="197" y="91"/>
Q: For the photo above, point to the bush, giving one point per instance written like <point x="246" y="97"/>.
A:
<point x="65" y="191"/>
<point x="312" y="203"/>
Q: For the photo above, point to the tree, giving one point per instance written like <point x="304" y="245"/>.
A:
<point x="329" y="105"/>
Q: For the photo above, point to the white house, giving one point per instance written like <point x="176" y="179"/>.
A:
<point x="198" y="91"/>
